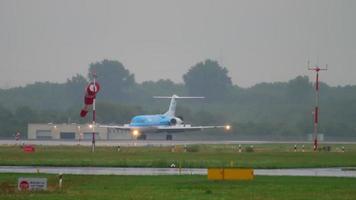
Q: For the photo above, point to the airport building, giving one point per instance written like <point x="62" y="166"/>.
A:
<point x="73" y="131"/>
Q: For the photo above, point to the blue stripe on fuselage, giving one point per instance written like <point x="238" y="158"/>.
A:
<point x="150" y="120"/>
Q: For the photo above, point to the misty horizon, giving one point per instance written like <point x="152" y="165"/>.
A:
<point x="257" y="41"/>
<point x="85" y="75"/>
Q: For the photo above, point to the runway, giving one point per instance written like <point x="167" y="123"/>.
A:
<point x="153" y="142"/>
<point x="125" y="142"/>
<point x="315" y="172"/>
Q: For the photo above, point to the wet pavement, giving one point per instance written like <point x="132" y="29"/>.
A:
<point x="152" y="142"/>
<point x="103" y="170"/>
<point x="330" y="172"/>
<point x="323" y="172"/>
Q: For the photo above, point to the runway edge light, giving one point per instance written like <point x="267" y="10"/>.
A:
<point x="227" y="127"/>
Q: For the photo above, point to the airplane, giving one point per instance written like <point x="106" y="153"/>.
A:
<point x="167" y="122"/>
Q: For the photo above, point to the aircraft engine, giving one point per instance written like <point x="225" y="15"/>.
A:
<point x="90" y="93"/>
<point x="175" y="121"/>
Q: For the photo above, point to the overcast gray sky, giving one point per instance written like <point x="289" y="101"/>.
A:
<point x="258" y="41"/>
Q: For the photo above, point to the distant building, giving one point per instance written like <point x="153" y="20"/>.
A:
<point x="75" y="131"/>
<point x="72" y="132"/>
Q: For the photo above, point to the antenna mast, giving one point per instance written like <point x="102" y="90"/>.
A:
<point x="316" y="68"/>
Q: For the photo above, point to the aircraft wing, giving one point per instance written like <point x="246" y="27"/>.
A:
<point x="118" y="127"/>
<point x="177" y="128"/>
<point x="127" y="127"/>
<point x="183" y="128"/>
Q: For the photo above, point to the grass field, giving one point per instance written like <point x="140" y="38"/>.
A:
<point x="182" y="187"/>
<point x="264" y="156"/>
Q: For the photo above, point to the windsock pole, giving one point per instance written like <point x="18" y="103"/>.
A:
<point x="93" y="123"/>
<point x="89" y="99"/>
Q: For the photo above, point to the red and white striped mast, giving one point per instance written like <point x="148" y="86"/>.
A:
<point x="316" y="109"/>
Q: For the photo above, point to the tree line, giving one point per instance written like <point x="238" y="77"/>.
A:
<point x="280" y="109"/>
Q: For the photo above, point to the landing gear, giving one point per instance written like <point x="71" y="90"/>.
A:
<point x="169" y="137"/>
<point x="142" y="137"/>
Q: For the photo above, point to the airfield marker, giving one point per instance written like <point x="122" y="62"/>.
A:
<point x="180" y="167"/>
<point x="316" y="109"/>
<point x="17" y="136"/>
<point x="60" y="180"/>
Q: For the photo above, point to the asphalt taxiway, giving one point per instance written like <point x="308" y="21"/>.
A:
<point x="321" y="172"/>
<point x="154" y="142"/>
